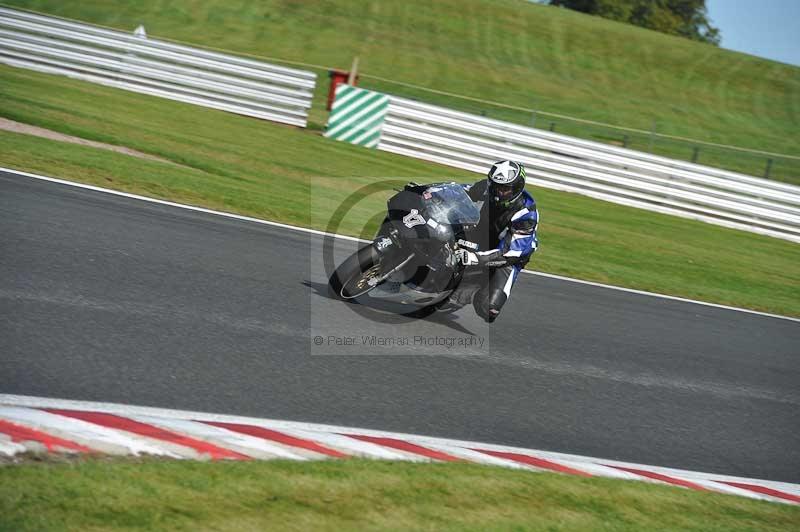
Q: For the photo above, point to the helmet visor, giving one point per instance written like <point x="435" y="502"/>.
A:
<point x="503" y="192"/>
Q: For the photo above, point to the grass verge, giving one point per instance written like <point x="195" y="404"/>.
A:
<point x="256" y="168"/>
<point x="510" y="51"/>
<point x="107" y="494"/>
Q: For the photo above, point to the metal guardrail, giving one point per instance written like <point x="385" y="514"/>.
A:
<point x="606" y="172"/>
<point x="154" y="67"/>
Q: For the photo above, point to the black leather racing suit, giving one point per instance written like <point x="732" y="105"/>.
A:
<point x="506" y="239"/>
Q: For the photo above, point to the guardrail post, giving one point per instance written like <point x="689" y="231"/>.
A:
<point x="625" y="141"/>
<point x="552" y="126"/>
<point x="695" y="154"/>
<point x="768" y="169"/>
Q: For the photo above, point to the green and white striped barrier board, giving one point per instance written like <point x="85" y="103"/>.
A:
<point x="357" y="116"/>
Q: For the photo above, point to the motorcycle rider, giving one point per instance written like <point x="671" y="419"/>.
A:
<point x="506" y="233"/>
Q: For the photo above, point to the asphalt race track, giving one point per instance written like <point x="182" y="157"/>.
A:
<point x="113" y="299"/>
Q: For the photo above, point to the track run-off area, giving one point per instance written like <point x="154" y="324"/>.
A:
<point x="106" y="297"/>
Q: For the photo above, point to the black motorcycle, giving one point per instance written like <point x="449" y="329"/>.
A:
<point x="412" y="265"/>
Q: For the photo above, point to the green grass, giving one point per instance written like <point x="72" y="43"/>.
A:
<point x="510" y="51"/>
<point x="356" y="495"/>
<point x="247" y="166"/>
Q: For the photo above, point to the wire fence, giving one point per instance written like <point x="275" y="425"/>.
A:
<point x="758" y="163"/>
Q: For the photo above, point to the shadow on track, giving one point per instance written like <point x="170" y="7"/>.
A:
<point x="446" y="319"/>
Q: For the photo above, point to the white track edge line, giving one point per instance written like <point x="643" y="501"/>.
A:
<point x="662" y="296"/>
<point x="354" y="239"/>
<point x="177" y="205"/>
<point x="573" y="460"/>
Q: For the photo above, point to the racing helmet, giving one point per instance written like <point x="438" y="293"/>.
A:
<point x="506" y="183"/>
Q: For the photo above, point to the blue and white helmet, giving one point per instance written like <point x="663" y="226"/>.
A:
<point x="506" y="183"/>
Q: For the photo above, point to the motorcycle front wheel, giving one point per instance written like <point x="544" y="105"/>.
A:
<point x="356" y="276"/>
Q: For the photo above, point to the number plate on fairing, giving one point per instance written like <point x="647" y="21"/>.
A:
<point x="413" y="218"/>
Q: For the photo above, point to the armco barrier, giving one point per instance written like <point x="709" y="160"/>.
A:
<point x="565" y="163"/>
<point x="155" y="67"/>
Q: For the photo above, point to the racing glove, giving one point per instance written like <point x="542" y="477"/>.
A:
<point x="467" y="258"/>
<point x="492" y="259"/>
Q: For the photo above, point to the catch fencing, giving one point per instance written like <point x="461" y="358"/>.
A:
<point x="566" y="163"/>
<point x="158" y="68"/>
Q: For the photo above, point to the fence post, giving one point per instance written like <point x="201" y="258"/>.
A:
<point x="351" y="78"/>
<point x="552" y="126"/>
<point x="769" y="168"/>
<point x="695" y="154"/>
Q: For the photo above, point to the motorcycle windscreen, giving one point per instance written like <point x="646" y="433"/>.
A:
<point x="450" y="204"/>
